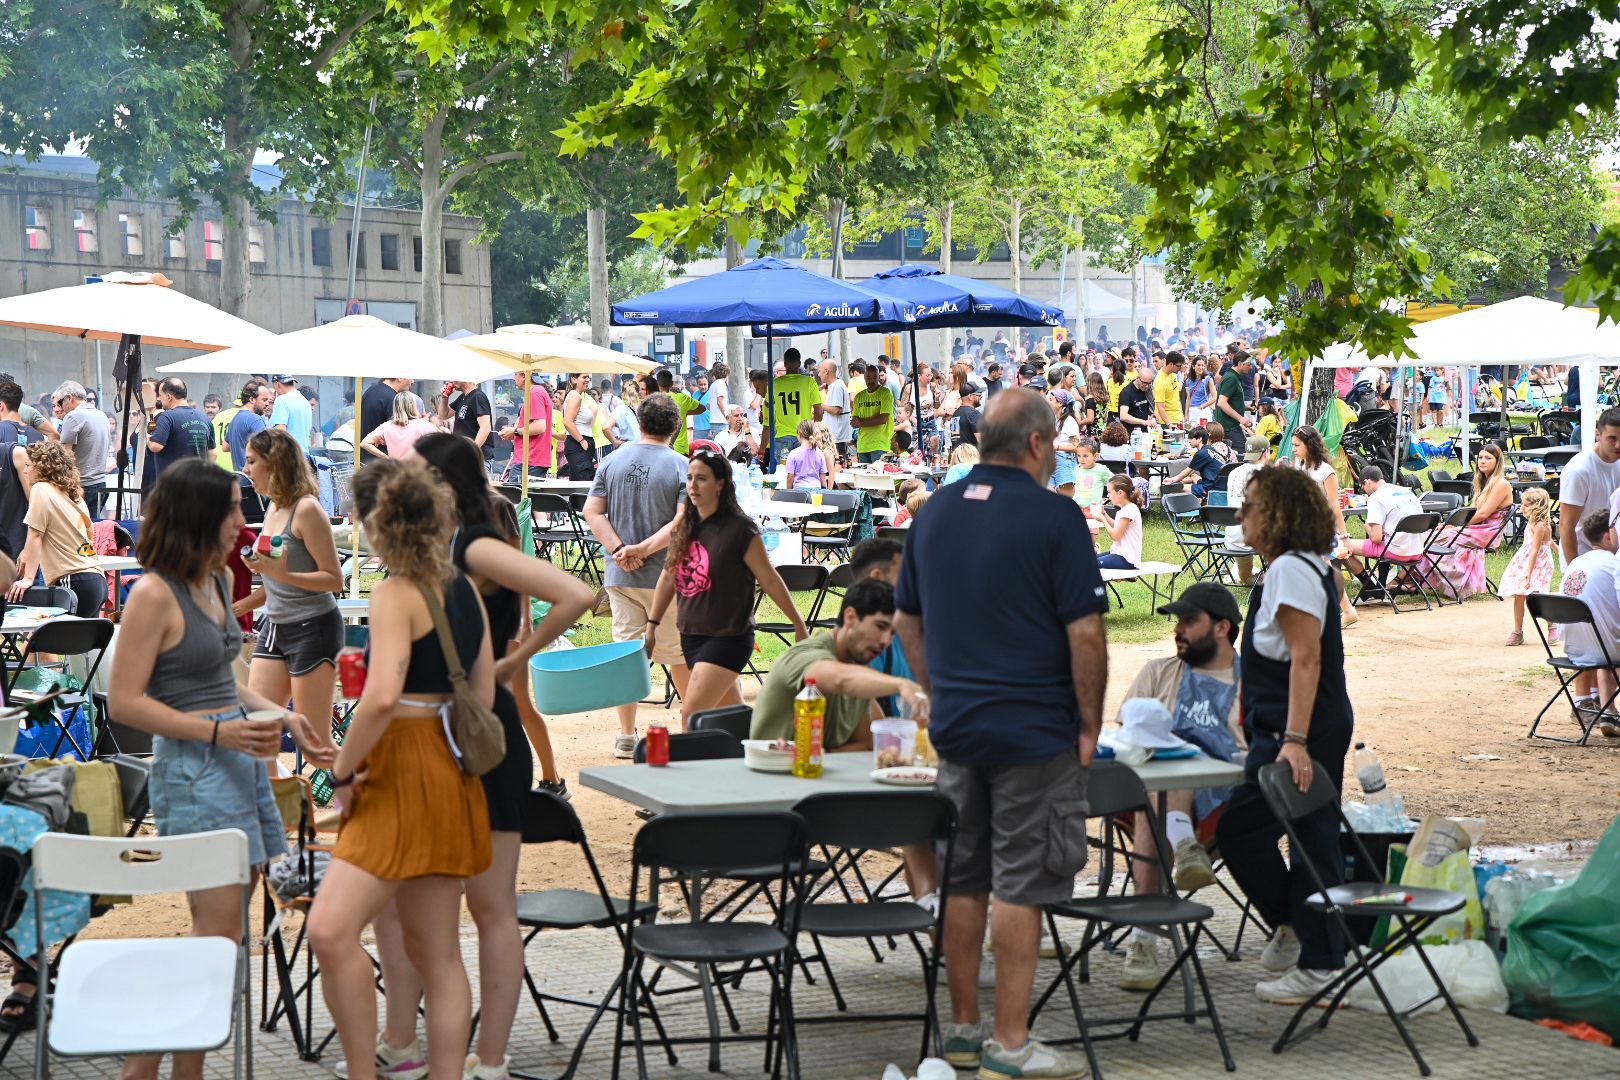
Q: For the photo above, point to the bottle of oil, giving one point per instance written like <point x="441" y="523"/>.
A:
<point x="809" y="716"/>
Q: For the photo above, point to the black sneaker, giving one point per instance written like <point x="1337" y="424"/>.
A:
<point x="558" y="788"/>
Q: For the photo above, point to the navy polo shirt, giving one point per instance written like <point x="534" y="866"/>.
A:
<point x="997" y="567"/>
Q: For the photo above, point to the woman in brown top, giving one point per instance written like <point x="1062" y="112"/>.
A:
<point x="715" y="557"/>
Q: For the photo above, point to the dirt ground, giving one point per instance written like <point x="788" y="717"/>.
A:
<point x="1444" y="703"/>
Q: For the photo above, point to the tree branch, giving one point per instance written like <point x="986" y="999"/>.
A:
<point x="479" y="163"/>
<point x="334" y="45"/>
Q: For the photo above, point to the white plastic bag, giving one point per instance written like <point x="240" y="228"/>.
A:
<point x="1469" y="970"/>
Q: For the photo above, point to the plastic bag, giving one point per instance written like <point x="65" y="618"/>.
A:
<point x="1563" y="956"/>
<point x="1468" y="969"/>
<point x="1437" y="858"/>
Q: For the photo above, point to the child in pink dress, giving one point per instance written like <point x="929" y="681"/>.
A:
<point x="1531" y="569"/>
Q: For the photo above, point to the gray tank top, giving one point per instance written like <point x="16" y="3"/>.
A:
<point x="285" y="603"/>
<point x="196" y="674"/>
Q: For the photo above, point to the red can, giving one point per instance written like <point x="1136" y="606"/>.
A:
<point x="351" y="664"/>
<point x="657" y="744"/>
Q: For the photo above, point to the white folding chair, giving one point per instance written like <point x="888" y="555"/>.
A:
<point x="143" y="995"/>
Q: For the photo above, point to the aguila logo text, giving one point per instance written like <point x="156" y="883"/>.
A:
<point x="833" y="311"/>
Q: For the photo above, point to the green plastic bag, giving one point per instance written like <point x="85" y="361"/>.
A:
<point x="1563" y="958"/>
<point x="525" y="516"/>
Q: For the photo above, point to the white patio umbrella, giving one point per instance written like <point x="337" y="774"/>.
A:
<point x="541" y="349"/>
<point x="132" y="309"/>
<point x="357" y="346"/>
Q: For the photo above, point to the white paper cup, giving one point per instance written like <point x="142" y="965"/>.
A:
<point x="268" y="714"/>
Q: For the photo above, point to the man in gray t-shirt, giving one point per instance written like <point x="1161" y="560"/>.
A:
<point x="630" y="510"/>
<point x="86" y="431"/>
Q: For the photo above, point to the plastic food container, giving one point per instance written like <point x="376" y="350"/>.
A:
<point x="10" y="722"/>
<point x="595" y="677"/>
<point x="894" y="742"/>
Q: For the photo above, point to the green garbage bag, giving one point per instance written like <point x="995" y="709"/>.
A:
<point x="525" y="516"/>
<point x="1563" y="958"/>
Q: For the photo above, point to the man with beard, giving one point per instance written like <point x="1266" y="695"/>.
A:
<point x="1199" y="687"/>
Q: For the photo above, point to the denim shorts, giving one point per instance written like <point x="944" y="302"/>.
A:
<point x="196" y="787"/>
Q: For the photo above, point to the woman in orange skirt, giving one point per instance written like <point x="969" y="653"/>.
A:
<point x="414" y="824"/>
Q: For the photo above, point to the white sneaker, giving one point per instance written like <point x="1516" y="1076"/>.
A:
<point x="404" y="1063"/>
<point x="1033" y="1059"/>
<point x="1143" y="969"/>
<point x="624" y="746"/>
<point x="1281" y="952"/>
<point x="1194" y="870"/>
<point x="474" y="1069"/>
<point x="1295" y="987"/>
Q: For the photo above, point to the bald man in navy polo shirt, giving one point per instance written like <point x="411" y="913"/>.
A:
<point x="1016" y="671"/>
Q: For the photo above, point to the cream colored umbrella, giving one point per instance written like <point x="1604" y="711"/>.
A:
<point x="358" y="346"/>
<point x="134" y="310"/>
<point x="541" y="349"/>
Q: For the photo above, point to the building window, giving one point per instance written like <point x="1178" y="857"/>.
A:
<point x="213" y="239"/>
<point x="256" y="244"/>
<point x="37" y="227"/>
<point x="359" y="249"/>
<point x="416" y="253"/>
<point x="129" y="229"/>
<point x="84" y="231"/>
<point x="452" y="256"/>
<point x="320" y="247"/>
<point x="388" y="244"/>
<point x="174" y="241"/>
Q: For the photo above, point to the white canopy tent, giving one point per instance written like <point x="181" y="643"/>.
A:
<point x="1523" y="332"/>
<point x="356" y="347"/>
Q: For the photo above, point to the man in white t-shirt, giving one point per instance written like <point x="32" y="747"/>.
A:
<point x="1387" y="505"/>
<point x="1594" y="577"/>
<point x="1588" y="483"/>
<point x="835" y="405"/>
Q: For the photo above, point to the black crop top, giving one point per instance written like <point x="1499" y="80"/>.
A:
<point x="504" y="607"/>
<point x="427" y="673"/>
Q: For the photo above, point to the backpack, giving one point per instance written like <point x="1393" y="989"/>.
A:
<point x="475" y="733"/>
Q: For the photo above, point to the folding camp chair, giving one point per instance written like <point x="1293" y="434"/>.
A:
<point x="827" y="537"/>
<point x="294" y="995"/>
<point x="1221" y="556"/>
<point x="798" y="579"/>
<point x="1114" y="789"/>
<point x="64" y="637"/>
<point x="839" y="580"/>
<point x="1408" y="917"/>
<point x="1379" y="567"/>
<point x="1182" y="510"/>
<point x="117" y="997"/>
<point x="548" y="819"/>
<point x="564" y="538"/>
<point x="1546" y="608"/>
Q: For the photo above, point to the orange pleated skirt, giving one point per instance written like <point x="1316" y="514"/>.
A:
<point x="418" y="814"/>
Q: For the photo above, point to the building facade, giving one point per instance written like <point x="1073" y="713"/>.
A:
<point x="53" y="234"/>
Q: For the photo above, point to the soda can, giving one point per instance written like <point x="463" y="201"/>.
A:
<point x="657" y="744"/>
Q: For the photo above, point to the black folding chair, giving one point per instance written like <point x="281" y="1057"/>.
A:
<point x="856" y="822"/>
<point x="1222" y="556"/>
<point x="50" y="596"/>
<point x="827" y="536"/>
<point x="810" y="578"/>
<point x="1441" y="502"/>
<point x="1408" y="917"/>
<point x="64" y="637"/>
<point x="1380" y="567"/>
<point x="1569" y="611"/>
<point x="694" y="846"/>
<point x="1183" y="510"/>
<point x="839" y="580"/>
<point x="1113" y="789"/>
<point x="734" y="720"/>
<point x="897" y="533"/>
<point x="564" y="535"/>
<point x="694" y="746"/>
<point x="1462" y="488"/>
<point x="548" y="819"/>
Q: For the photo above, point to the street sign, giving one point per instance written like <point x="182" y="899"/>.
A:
<point x="353" y="308"/>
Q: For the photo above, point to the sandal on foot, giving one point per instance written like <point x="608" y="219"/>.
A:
<point x="17" y="1013"/>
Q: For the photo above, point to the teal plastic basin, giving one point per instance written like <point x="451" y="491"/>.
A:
<point x="594" y="677"/>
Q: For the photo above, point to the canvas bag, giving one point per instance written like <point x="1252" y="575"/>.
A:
<point x="475" y="733"/>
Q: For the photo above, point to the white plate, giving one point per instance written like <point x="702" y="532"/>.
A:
<point x="759" y="765"/>
<point x="905" y="776"/>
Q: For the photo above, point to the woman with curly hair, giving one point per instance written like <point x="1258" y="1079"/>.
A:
<point x="414" y="824"/>
<point x="1296" y="710"/>
<point x="59" y="541"/>
<point x="715" y="556"/>
<point x="301" y="630"/>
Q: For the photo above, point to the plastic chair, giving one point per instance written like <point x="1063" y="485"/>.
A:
<point x="1547" y="608"/>
<point x="1113" y="789"/>
<point x="549" y="819"/>
<point x="698" y="845"/>
<point x="125" y="996"/>
<point x="1408" y="919"/>
<point x="858" y="822"/>
<point x="66" y="636"/>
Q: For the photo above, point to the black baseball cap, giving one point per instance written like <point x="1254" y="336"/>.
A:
<point x="285" y="380"/>
<point x="1208" y="598"/>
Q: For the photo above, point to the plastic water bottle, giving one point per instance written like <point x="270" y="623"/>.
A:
<point x="1387" y="808"/>
<point x="753" y="492"/>
<point x="773" y="530"/>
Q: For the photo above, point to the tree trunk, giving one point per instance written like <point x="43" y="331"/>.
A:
<point x="1131" y="330"/>
<point x="1080" y="331"/>
<point x="947" y="215"/>
<point x="1015" y="242"/>
<point x="736" y="357"/>
<point x="239" y="149"/>
<point x="837" y="210"/>
<point x="433" y="195"/>
<point x="596" y="248"/>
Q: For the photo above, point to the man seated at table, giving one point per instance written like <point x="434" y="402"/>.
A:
<point x="879" y="560"/>
<point x="839" y="660"/>
<point x="1387" y="506"/>
<point x="1199" y="687"/>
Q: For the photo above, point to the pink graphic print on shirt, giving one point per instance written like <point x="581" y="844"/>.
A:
<point x="692" y="576"/>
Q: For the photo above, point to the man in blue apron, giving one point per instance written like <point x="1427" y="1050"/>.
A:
<point x="1199" y="687"/>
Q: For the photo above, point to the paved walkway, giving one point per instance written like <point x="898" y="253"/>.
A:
<point x="1356" y="1044"/>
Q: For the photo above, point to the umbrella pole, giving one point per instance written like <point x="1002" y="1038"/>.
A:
<point x="770" y="400"/>
<point x="527" y="379"/>
<point x="916" y="393"/>
<point x="129" y="359"/>
<point x="354" y="474"/>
